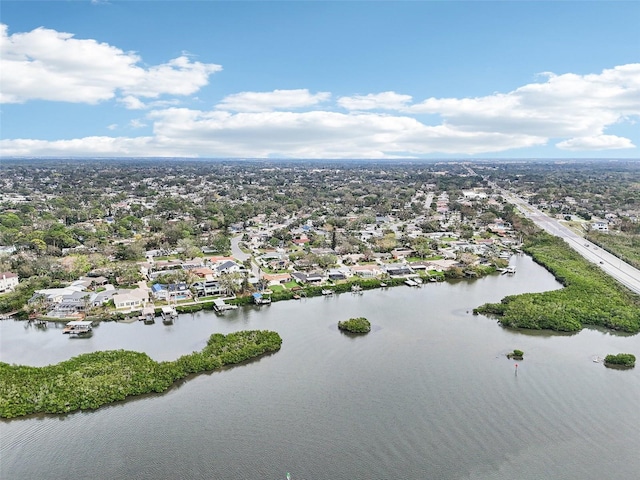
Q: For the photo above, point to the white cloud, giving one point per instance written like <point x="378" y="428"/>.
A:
<point x="46" y="64"/>
<point x="572" y="112"/>
<point x="315" y="134"/>
<point x="132" y="103"/>
<point x="599" y="142"/>
<point x="270" y="101"/>
<point x="375" y="101"/>
<point x="137" y="123"/>
<point x="567" y="105"/>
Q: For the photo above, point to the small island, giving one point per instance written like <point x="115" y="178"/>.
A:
<point x="355" y="325"/>
<point x="516" y="355"/>
<point x="621" y="360"/>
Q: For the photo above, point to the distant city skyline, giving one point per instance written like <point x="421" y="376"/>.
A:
<point x="320" y="79"/>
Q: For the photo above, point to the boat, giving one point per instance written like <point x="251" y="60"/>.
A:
<point x="80" y="328"/>
<point x="356" y="288"/>
<point x="383" y="285"/>
<point x="326" y="291"/>
<point x="410" y="283"/>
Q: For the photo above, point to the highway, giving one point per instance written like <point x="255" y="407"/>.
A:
<point x="612" y="265"/>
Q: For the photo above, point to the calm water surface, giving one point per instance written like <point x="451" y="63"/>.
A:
<point x="428" y="394"/>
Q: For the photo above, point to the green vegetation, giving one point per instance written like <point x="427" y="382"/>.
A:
<point x="590" y="297"/>
<point x="621" y="360"/>
<point x="516" y="354"/>
<point x="355" y="325"/>
<point x="91" y="380"/>
<point x="623" y="245"/>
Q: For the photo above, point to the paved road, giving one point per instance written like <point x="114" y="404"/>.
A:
<point x="240" y="255"/>
<point x="621" y="271"/>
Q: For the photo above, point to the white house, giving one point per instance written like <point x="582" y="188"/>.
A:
<point x="600" y="226"/>
<point x="132" y="299"/>
<point x="8" y="281"/>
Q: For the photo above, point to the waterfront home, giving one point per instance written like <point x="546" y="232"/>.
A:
<point x="338" y="274"/>
<point x="208" y="288"/>
<point x="276" y="278"/>
<point x="398" y="270"/>
<point x="178" y="291"/>
<point x="74" y="301"/>
<point x="366" y="271"/>
<point x="53" y="295"/>
<point x="131" y="299"/>
<point x="100" y="298"/>
<point x="307" y="278"/>
<point x="159" y="291"/>
<point x="8" y="281"/>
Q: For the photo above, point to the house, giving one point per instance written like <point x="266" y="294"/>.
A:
<point x="276" y="278"/>
<point x="76" y="301"/>
<point x="208" y="288"/>
<point x="204" y="272"/>
<point x="337" y="274"/>
<point x="193" y="264"/>
<point x="132" y="299"/>
<point x="306" y="277"/>
<point x="398" y="270"/>
<point x="366" y="271"/>
<point x="402" y="252"/>
<point x="178" y="291"/>
<point x="159" y="291"/>
<point x="8" y="281"/>
<point x="229" y="267"/>
<point x="53" y="295"/>
<point x="100" y="298"/>
<point x="600" y="226"/>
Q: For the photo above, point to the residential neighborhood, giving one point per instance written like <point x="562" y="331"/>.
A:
<point x="83" y="239"/>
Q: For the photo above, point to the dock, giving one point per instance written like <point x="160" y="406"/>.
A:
<point x="221" y="307"/>
<point x="148" y="315"/>
<point x="261" y="299"/>
<point x="169" y="314"/>
<point x="82" y="328"/>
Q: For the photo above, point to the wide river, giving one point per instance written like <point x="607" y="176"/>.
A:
<point x="428" y="394"/>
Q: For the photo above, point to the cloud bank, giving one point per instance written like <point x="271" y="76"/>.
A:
<point x="569" y="111"/>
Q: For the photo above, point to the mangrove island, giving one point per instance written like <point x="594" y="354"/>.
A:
<point x="355" y="325"/>
<point x="91" y="380"/>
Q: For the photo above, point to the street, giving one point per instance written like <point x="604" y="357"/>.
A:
<point x="612" y="265"/>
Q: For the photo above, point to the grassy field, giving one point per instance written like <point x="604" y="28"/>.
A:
<point x="622" y="245"/>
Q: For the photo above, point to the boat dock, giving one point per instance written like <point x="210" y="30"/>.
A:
<point x="169" y="314"/>
<point x="148" y="315"/>
<point x="260" y="299"/>
<point x="78" y="328"/>
<point x="221" y="307"/>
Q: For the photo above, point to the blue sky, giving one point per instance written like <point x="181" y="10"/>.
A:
<point x="320" y="79"/>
